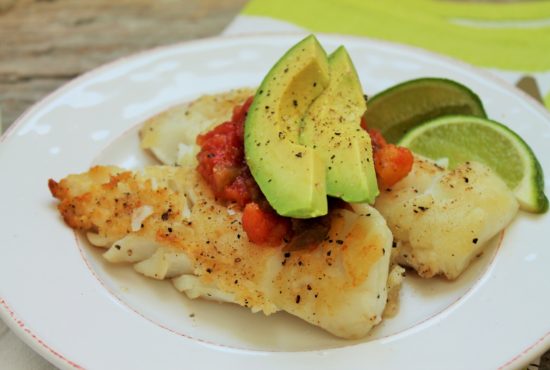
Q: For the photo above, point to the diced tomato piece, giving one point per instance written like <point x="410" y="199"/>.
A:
<point x="264" y="226"/>
<point x="392" y="163"/>
<point x="363" y="123"/>
<point x="376" y="139"/>
<point x="222" y="163"/>
<point x="243" y="190"/>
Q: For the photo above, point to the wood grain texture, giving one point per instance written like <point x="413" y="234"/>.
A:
<point x="44" y="43"/>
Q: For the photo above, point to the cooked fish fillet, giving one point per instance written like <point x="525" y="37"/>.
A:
<point x="442" y="219"/>
<point x="166" y="222"/>
<point x="171" y="135"/>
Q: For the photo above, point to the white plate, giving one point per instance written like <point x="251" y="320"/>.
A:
<point x="60" y="297"/>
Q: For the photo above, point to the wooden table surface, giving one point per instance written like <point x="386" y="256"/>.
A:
<point x="45" y="43"/>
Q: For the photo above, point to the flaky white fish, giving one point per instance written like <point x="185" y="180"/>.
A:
<point x="166" y="222"/>
<point x="442" y="219"/>
<point x="171" y="135"/>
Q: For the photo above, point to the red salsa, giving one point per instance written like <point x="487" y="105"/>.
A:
<point x="223" y="166"/>
<point x="222" y="163"/>
<point x="391" y="162"/>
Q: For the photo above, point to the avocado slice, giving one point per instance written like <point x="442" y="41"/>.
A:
<point x="290" y="175"/>
<point x="332" y="126"/>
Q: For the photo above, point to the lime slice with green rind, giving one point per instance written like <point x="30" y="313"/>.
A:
<point x="466" y="138"/>
<point x="400" y="108"/>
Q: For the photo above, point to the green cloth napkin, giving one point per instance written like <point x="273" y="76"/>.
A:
<point x="504" y="35"/>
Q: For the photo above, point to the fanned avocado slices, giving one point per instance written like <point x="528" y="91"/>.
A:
<point x="303" y="139"/>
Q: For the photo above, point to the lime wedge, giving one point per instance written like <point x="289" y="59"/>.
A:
<point x="466" y="138"/>
<point x="397" y="110"/>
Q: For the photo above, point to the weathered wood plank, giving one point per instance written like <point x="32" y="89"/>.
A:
<point x="44" y="43"/>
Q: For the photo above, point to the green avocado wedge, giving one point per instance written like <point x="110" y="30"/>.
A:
<point x="290" y="175"/>
<point x="332" y="125"/>
<point x="397" y="110"/>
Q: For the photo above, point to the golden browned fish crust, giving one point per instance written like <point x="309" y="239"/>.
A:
<point x="340" y="285"/>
